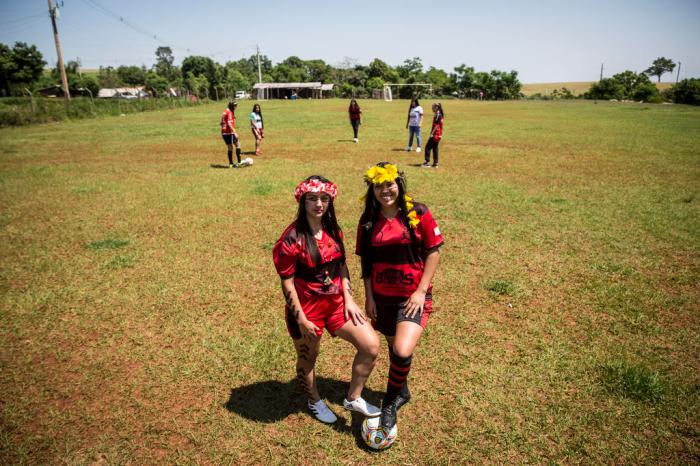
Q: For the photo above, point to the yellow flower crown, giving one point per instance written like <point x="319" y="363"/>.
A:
<point x="378" y="175"/>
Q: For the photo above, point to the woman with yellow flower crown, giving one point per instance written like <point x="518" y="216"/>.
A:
<point x="398" y="241"/>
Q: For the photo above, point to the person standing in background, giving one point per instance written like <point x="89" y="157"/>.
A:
<point x="413" y="123"/>
<point x="257" y="127"/>
<point x="355" y="118"/>
<point x="228" y="133"/>
<point x="435" y="136"/>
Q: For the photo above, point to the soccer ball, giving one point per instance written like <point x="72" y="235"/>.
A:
<point x="376" y="436"/>
<point x="247" y="161"/>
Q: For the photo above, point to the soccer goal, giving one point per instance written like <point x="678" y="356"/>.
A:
<point x="388" y="94"/>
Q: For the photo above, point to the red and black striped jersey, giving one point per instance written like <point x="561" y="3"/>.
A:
<point x="436" y="130"/>
<point x="397" y="265"/>
<point x="292" y="259"/>
<point x="228" y="122"/>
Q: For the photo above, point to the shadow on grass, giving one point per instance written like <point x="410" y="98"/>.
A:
<point x="216" y="165"/>
<point x="401" y="150"/>
<point x="271" y="401"/>
<point x="345" y="140"/>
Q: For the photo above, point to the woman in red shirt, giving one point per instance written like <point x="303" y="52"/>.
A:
<point x="435" y="136"/>
<point x="355" y="117"/>
<point x="310" y="260"/>
<point x="399" y="243"/>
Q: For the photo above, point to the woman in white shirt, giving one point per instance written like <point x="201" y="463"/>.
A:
<point x="413" y="123"/>
<point x="256" y="125"/>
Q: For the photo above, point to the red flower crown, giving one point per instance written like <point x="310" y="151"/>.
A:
<point x="315" y="186"/>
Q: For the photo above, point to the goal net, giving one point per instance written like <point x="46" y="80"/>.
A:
<point x="387" y="94"/>
<point x="419" y="89"/>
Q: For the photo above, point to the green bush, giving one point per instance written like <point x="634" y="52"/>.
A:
<point x="626" y="85"/>
<point x="686" y="92"/>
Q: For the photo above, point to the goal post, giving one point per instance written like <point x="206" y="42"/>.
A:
<point x="387" y="94"/>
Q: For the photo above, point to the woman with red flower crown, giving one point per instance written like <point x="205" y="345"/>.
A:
<point x="310" y="260"/>
<point x="399" y="243"/>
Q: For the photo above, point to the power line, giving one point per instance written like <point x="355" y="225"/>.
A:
<point x="42" y="14"/>
<point x="111" y="14"/>
<point x="20" y="27"/>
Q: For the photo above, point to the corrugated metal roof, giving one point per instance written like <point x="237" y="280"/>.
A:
<point x="287" y="86"/>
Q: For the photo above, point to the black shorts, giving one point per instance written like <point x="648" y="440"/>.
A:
<point x="391" y="310"/>
<point x="230" y="139"/>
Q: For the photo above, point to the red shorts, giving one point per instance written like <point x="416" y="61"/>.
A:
<point x="325" y="311"/>
<point x="391" y="311"/>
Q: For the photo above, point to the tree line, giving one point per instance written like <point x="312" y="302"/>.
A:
<point x="22" y="68"/>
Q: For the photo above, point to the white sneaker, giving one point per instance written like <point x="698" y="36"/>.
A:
<point x="417" y="149"/>
<point x="408" y="149"/>
<point x="355" y="139"/>
<point x="361" y="406"/>
<point x="322" y="412"/>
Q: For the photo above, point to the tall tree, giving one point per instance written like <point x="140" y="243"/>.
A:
<point x="463" y="78"/>
<point x="659" y="67"/>
<point x="132" y="75"/>
<point x="19" y="67"/>
<point x="411" y="70"/>
<point x="164" y="63"/>
<point x="108" y="77"/>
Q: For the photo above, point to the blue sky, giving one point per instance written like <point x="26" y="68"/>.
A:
<point x="545" y="41"/>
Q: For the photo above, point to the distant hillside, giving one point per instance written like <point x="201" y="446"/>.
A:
<point x="576" y="87"/>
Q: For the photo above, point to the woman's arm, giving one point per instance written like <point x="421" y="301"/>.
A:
<point x="308" y="329"/>
<point x="416" y="301"/>
<point x="351" y="308"/>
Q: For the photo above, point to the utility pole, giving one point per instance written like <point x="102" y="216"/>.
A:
<point x="601" y="72"/>
<point x="259" y="73"/>
<point x="61" y="68"/>
<point x="679" y="72"/>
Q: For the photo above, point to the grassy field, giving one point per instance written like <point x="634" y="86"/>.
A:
<point x="576" y="88"/>
<point x="142" y="320"/>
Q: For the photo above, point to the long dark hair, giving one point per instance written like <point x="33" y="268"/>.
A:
<point x="353" y="104"/>
<point x="259" y="112"/>
<point x="410" y="106"/>
<point x="370" y="215"/>
<point x="439" y="106"/>
<point x="329" y="224"/>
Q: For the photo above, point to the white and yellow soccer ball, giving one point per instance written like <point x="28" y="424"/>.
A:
<point x="376" y="436"/>
<point x="247" y="161"/>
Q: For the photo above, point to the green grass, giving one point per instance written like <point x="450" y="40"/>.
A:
<point x="635" y="382"/>
<point x="142" y="319"/>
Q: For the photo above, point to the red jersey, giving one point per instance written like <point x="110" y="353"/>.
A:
<point x="354" y="113"/>
<point x="436" y="130"/>
<point x="228" y="122"/>
<point x="396" y="266"/>
<point x="292" y="259"/>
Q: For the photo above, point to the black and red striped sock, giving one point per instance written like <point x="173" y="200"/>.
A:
<point x="398" y="374"/>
